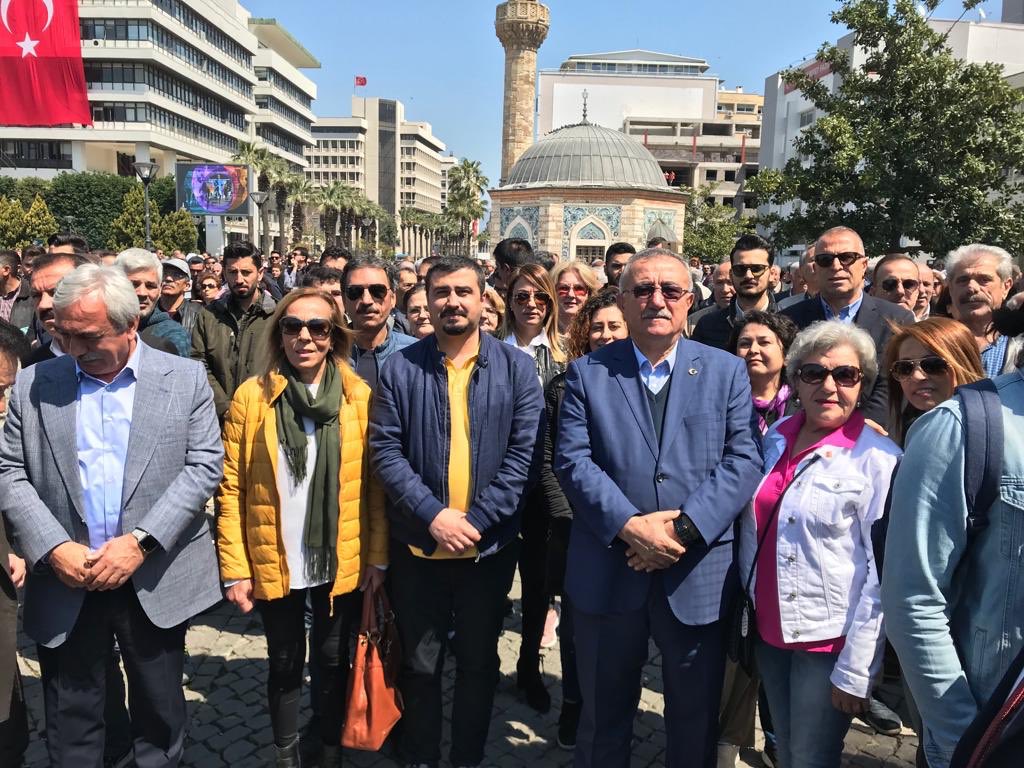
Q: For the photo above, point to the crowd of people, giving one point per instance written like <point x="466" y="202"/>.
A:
<point x="718" y="457"/>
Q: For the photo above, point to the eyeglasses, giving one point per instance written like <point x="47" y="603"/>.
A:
<point x="576" y="290"/>
<point x="378" y="292"/>
<point x="317" y="326"/>
<point x="846" y="259"/>
<point x="890" y="284"/>
<point x="522" y="298"/>
<point x="669" y="291"/>
<point x="842" y="375"/>
<point x="933" y="365"/>
<point x="739" y="270"/>
<point x="209" y="287"/>
<point x="171" y="277"/>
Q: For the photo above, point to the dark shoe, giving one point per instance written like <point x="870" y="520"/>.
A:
<point x="532" y="685"/>
<point x="288" y="757"/>
<point x="768" y="757"/>
<point x="330" y="756"/>
<point x="882" y="719"/>
<point x="568" y="724"/>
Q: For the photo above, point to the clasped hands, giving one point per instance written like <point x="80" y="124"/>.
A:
<point x="105" y="568"/>
<point x="453" y="532"/>
<point x="651" y="540"/>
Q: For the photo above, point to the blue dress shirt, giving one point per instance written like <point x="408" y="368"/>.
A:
<point x="103" y="424"/>
<point x="655" y="378"/>
<point x="846" y="314"/>
<point x="994" y="356"/>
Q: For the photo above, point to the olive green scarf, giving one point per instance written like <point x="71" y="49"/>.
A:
<point x="296" y="402"/>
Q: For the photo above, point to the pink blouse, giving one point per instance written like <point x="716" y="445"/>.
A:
<point x="766" y="588"/>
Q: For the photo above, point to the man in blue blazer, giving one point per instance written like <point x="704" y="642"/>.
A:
<point x="657" y="456"/>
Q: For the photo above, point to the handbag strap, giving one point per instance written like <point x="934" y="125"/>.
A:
<point x="771" y="519"/>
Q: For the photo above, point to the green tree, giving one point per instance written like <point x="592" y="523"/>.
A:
<point x="162" y="194"/>
<point x="8" y="186"/>
<point x="176" y="231"/>
<point x="263" y="164"/>
<point x="12" y="223"/>
<point x="466" y="184"/>
<point x="39" y="223"/>
<point x="710" y="230"/>
<point x="129" y="229"/>
<point x="913" y="142"/>
<point x="30" y="187"/>
<point x="88" y="203"/>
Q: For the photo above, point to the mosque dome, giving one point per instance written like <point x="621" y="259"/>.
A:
<point x="587" y="156"/>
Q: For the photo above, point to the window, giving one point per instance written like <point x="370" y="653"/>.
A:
<point x="806" y="118"/>
<point x="730" y="175"/>
<point x="711" y="175"/>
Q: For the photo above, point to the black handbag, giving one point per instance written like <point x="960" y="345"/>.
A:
<point x="743" y="623"/>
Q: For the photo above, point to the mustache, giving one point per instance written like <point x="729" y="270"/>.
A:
<point x="452" y="312"/>
<point x="656" y="314"/>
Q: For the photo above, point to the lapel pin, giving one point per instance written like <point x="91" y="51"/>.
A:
<point x="692" y="371"/>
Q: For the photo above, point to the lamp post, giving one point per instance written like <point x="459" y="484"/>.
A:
<point x="146" y="172"/>
<point x="260" y="198"/>
<point x="366" y="222"/>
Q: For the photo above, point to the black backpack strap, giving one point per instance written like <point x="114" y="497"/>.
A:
<point x="983" y="450"/>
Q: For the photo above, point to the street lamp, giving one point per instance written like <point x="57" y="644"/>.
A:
<point x="366" y="222"/>
<point x="260" y="198"/>
<point x="146" y="172"/>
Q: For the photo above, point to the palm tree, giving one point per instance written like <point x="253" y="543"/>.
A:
<point x="301" y="193"/>
<point x="280" y="177"/>
<point x="258" y="158"/>
<point x="466" y="184"/>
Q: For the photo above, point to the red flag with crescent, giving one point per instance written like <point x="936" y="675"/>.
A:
<point x="42" y="80"/>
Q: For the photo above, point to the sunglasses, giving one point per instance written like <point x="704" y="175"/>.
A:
<point x="576" y="290"/>
<point x="669" y="291"/>
<point x="318" y="327"/>
<point x="933" y="365"/>
<point x="740" y="270"/>
<point x="209" y="287"/>
<point x="522" y="298"/>
<point x="890" y="284"/>
<point x="378" y="292"/>
<point x="846" y="260"/>
<point x="842" y="375"/>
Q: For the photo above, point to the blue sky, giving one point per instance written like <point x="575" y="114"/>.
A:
<point x="442" y="59"/>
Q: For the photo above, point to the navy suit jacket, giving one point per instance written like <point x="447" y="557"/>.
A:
<point x="611" y="467"/>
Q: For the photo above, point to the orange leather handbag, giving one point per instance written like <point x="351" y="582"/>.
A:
<point x="374" y="703"/>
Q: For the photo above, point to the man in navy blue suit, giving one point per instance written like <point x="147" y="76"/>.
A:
<point x="656" y="485"/>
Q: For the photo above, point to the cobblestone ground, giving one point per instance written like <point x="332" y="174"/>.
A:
<point x="230" y="726"/>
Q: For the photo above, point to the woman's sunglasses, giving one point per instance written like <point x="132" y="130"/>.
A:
<point x="522" y="298"/>
<point x="842" y="375"/>
<point x="577" y="290"/>
<point x="318" y="327"/>
<point x="933" y="365"/>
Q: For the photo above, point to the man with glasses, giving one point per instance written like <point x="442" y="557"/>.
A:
<point x="229" y="334"/>
<point x="839" y="268"/>
<point x="749" y="269"/>
<point x="292" y="275"/>
<point x="657" y="456"/>
<point x="369" y="284"/>
<point x="173" y="297"/>
<point x="896" y="279"/>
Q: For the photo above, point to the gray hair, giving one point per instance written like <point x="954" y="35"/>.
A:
<point x="111" y="283"/>
<point x="1004" y="267"/>
<point x="133" y="260"/>
<point x="840" y="230"/>
<point x="655" y="253"/>
<point x="824" y="335"/>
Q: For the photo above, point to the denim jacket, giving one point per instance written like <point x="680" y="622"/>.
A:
<point x="410" y="432"/>
<point x="953" y="612"/>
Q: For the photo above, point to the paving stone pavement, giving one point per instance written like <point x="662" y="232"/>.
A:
<point x="230" y="725"/>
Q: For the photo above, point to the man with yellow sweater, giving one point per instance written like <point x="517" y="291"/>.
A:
<point x="454" y="437"/>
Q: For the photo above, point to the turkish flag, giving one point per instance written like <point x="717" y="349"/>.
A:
<point x="42" y="80"/>
<point x="360" y="80"/>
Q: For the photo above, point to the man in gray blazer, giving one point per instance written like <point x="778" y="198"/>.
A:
<point x="107" y="459"/>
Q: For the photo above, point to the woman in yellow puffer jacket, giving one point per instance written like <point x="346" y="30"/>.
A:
<point x="299" y="514"/>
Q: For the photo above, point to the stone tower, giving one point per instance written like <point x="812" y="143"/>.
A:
<point x="521" y="25"/>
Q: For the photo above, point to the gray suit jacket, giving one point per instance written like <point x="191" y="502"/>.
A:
<point x="174" y="463"/>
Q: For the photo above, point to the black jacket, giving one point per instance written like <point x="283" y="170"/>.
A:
<point x="24" y="310"/>
<point x="873" y="316"/>
<point x="715" y="327"/>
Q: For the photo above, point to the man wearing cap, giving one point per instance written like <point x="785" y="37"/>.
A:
<point x="174" y="299"/>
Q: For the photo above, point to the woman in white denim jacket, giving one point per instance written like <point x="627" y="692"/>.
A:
<point x="815" y="587"/>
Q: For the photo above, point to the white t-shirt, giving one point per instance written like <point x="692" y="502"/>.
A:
<point x="294" y="500"/>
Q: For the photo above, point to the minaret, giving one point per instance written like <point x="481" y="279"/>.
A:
<point x="521" y="25"/>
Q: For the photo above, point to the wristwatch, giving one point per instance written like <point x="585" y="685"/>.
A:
<point x="146" y="542"/>
<point x="686" y="531"/>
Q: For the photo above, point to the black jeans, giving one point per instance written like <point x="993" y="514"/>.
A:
<point x="426" y="595"/>
<point x="285" y="627"/>
<point x="75" y="674"/>
<point x="535" y="599"/>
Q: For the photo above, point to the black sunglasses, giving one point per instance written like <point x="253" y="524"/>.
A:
<point x="933" y="365"/>
<point x="846" y="260"/>
<point x="522" y="298"/>
<point x="739" y="270"/>
<point x="890" y="284"/>
<point x="377" y="291"/>
<point x="842" y="375"/>
<point x="670" y="291"/>
<point x="318" y="327"/>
